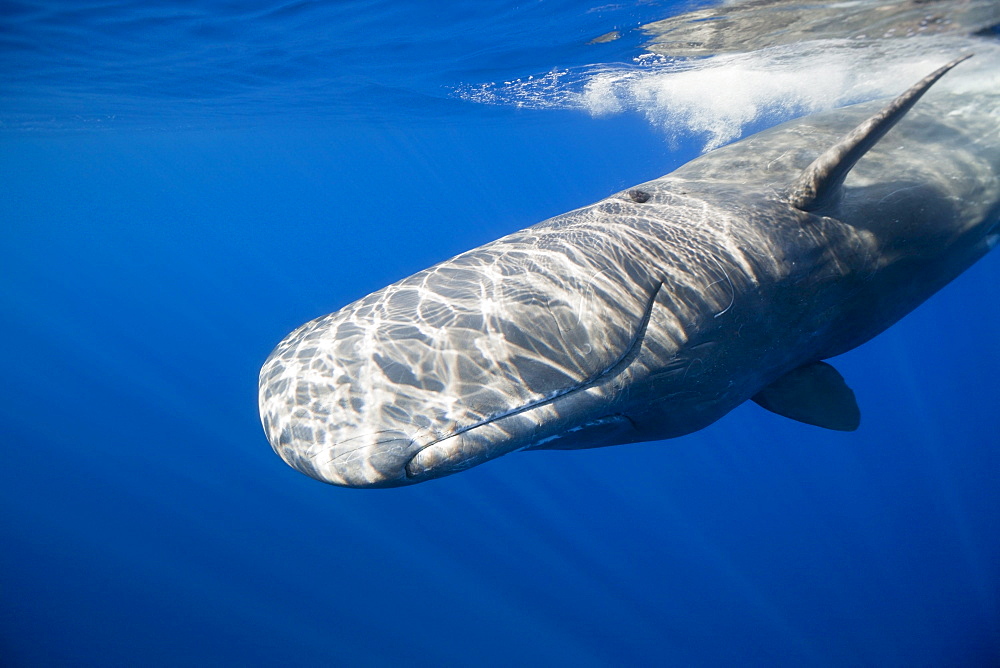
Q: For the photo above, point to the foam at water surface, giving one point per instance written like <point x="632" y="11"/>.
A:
<point x="720" y="98"/>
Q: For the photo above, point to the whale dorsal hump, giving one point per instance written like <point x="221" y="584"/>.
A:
<point x="820" y="182"/>
<point x="815" y="394"/>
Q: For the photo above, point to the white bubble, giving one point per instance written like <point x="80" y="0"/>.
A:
<point x="718" y="98"/>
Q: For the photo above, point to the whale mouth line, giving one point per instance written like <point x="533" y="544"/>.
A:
<point x="616" y="367"/>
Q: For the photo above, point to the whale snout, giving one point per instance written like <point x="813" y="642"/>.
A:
<point x="342" y="421"/>
<point x="322" y="442"/>
<point x="328" y="454"/>
<point x="451" y="367"/>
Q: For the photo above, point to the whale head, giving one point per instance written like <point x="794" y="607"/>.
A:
<point x="496" y="350"/>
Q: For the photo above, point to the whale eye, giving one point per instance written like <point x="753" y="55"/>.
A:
<point x="639" y="196"/>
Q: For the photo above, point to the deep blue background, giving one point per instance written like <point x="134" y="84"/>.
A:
<point x="149" y="267"/>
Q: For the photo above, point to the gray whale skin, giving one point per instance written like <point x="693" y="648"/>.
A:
<point x="656" y="311"/>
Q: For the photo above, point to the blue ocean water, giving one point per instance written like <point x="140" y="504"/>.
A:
<point x="183" y="183"/>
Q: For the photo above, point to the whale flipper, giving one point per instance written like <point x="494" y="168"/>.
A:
<point x="815" y="394"/>
<point x="820" y="183"/>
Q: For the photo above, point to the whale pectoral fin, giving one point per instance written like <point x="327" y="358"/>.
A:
<point x="815" y="394"/>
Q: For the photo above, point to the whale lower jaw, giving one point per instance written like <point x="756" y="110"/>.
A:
<point x="516" y="432"/>
<point x="391" y="457"/>
<point x="394" y="459"/>
<point x="461" y="451"/>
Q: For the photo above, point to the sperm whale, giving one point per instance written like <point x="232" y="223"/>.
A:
<point x="654" y="312"/>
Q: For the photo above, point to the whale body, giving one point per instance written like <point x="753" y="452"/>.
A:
<point x="654" y="312"/>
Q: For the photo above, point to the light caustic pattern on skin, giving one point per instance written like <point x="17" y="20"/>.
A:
<point x="509" y="325"/>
